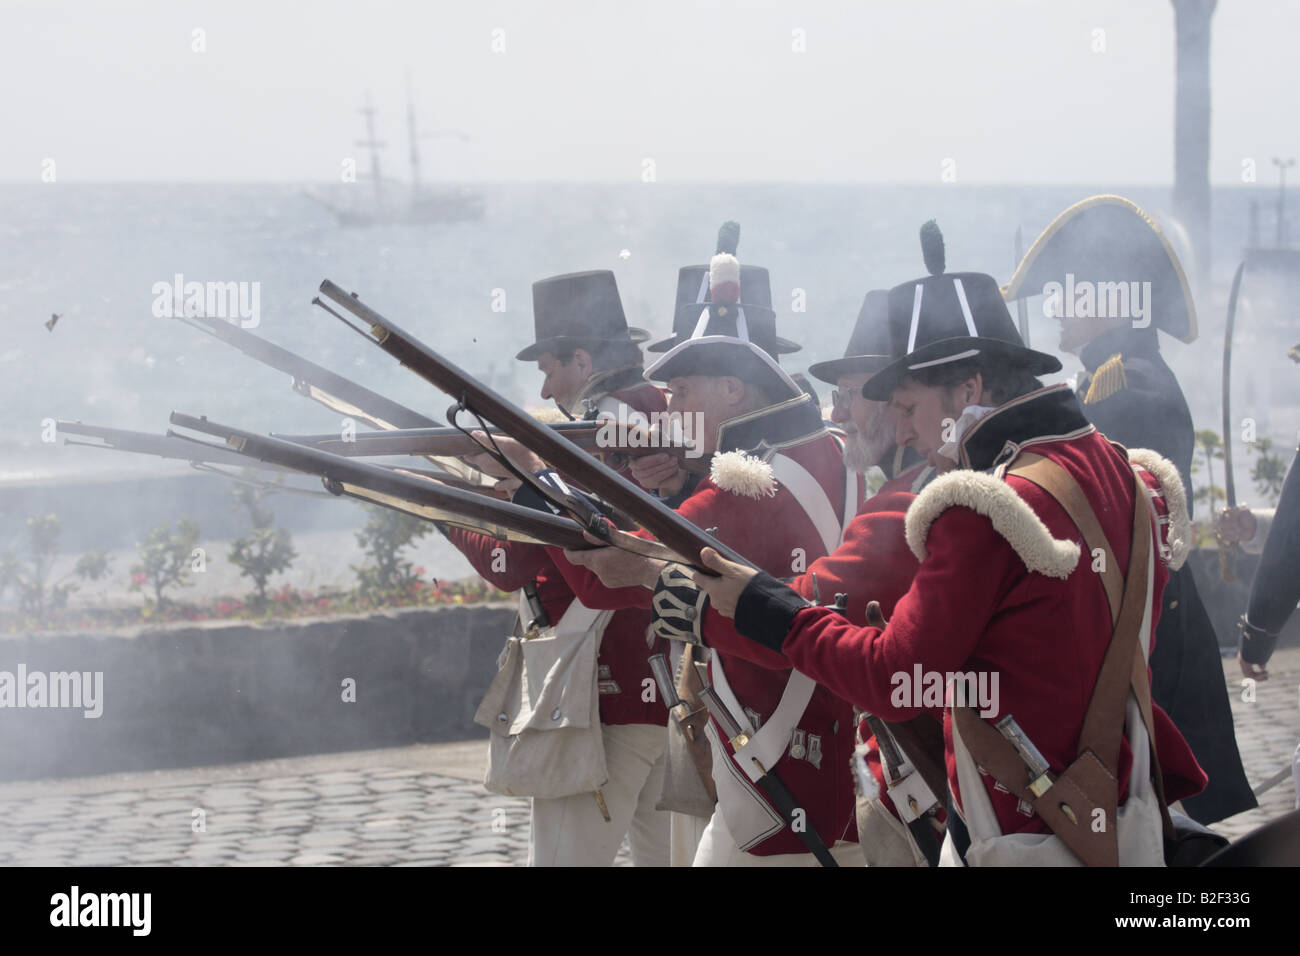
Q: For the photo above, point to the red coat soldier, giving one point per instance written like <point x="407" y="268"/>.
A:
<point x="872" y="564"/>
<point x="1005" y="603"/>
<point x="778" y="494"/>
<point x="591" y="365"/>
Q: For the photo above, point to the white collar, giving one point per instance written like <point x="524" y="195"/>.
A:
<point x="969" y="416"/>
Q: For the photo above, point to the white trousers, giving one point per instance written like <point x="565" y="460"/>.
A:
<point x="687" y="830"/>
<point x="570" y="831"/>
<point x="718" y="848"/>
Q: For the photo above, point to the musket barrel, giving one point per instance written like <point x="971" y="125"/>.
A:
<point x="684" y="538"/>
<point x="541" y="526"/>
<point x="308" y="375"/>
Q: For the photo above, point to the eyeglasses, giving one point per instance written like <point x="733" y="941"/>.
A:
<point x="842" y="397"/>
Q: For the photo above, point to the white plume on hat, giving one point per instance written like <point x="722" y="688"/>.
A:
<point x="724" y="278"/>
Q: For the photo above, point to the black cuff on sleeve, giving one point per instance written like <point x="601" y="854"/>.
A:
<point x="1256" y="645"/>
<point x="688" y="489"/>
<point x="529" y="497"/>
<point x="766" y="610"/>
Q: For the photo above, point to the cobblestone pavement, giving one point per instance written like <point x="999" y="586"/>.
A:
<point x="1268" y="731"/>
<point x="389" y="811"/>
<point x="411" y="806"/>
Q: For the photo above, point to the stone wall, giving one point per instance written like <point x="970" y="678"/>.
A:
<point x="217" y="693"/>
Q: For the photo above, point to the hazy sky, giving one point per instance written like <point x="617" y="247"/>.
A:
<point x="883" y="91"/>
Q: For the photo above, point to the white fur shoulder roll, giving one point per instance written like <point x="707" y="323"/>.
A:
<point x="1175" y="495"/>
<point x="1011" y="516"/>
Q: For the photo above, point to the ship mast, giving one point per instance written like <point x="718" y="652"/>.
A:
<point x="374" y="145"/>
<point x="414" y="138"/>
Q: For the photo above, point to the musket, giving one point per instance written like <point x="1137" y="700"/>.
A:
<point x="207" y="458"/>
<point x="412" y="494"/>
<point x="335" y="392"/>
<point x="608" y="438"/>
<point x="146" y="443"/>
<point x="339" y="394"/>
<point x="681" y="539"/>
<point x="1226" y="550"/>
<point x="440" y="440"/>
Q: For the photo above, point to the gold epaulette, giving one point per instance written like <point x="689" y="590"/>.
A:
<point x="1107" y="380"/>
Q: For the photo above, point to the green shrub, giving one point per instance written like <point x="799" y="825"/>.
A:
<point x="265" y="550"/>
<point x="30" y="578"/>
<point x="386" y="575"/>
<point x="166" y="558"/>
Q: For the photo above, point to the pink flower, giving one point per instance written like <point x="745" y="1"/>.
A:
<point x="139" y="578"/>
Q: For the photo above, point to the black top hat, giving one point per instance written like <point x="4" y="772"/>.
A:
<point x="578" y="310"/>
<point x="728" y="337"/>
<point x="1109" y="239"/>
<point x="693" y="296"/>
<point x="946" y="317"/>
<point x="868" y="349"/>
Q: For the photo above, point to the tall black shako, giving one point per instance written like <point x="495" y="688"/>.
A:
<point x="947" y="317"/>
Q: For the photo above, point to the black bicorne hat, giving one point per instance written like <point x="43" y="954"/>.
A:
<point x="728" y="336"/>
<point x="577" y="310"/>
<point x="1105" y="241"/>
<point x="868" y="349"/>
<point x="693" y="296"/>
<point x="946" y="317"/>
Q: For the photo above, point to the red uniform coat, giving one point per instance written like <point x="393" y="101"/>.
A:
<point x="873" y="563"/>
<point x="976" y="605"/>
<point x="623" y="660"/>
<point x="768" y="530"/>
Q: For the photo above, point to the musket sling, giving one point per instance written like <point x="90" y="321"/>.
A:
<point x="1090" y="782"/>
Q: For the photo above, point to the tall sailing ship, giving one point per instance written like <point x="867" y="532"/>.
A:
<point x="393" y="202"/>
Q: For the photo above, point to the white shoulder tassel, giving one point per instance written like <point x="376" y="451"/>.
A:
<point x="743" y="474"/>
